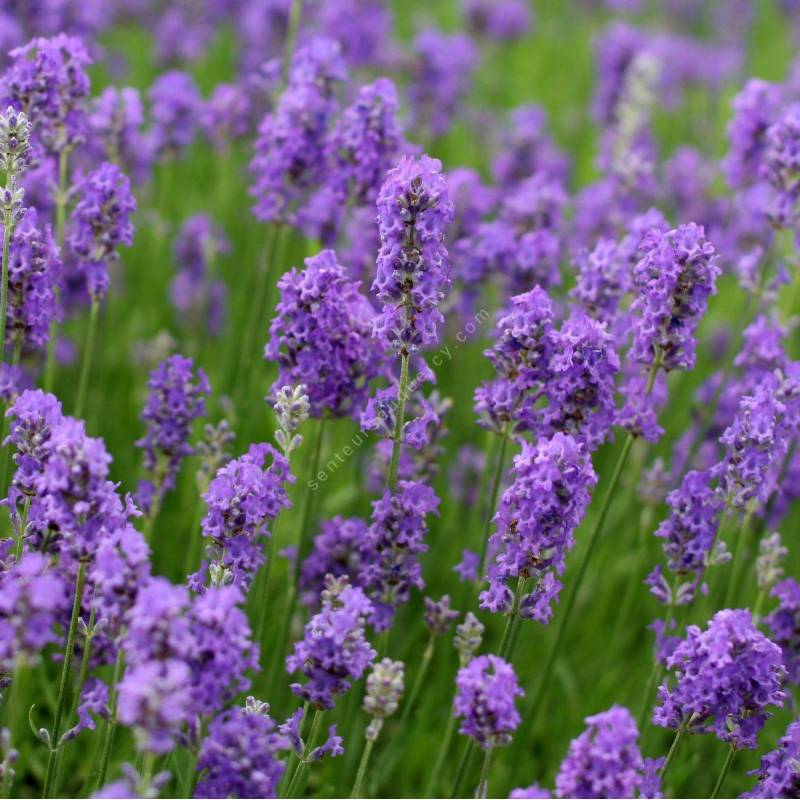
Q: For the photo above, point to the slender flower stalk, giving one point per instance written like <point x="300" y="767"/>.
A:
<point x="88" y="351"/>
<point x="61" y="701"/>
<point x="723" y="773"/>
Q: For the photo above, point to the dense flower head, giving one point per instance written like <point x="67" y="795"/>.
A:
<point x="392" y="545"/>
<point x="755" y="442"/>
<point x="227" y="115"/>
<point x="175" y="109"/>
<point x="34" y="269"/>
<point x="240" y="756"/>
<point x="384" y="690"/>
<point x="779" y="772"/>
<point x="439" y="616"/>
<point x="725" y="679"/>
<point x="321" y="337"/>
<point x="243" y="498"/>
<point x="116" y="120"/>
<point x="604" y="761"/>
<point x="413" y="272"/>
<point x="486" y="693"/>
<point x="673" y="281"/>
<point x="365" y="142"/>
<point x="442" y="73"/>
<point x="47" y="80"/>
<point x="755" y="108"/>
<point x="289" y="150"/>
<point x="535" y="523"/>
<point x="691" y="528"/>
<point x="782" y="163"/>
<point x="334" y="650"/>
<point x="603" y="280"/>
<point x="337" y="551"/>
<point x="33" y="598"/>
<point x="198" y="296"/>
<point x="101" y="222"/>
<point x="175" y="400"/>
<point x="784" y="625"/>
<point x="186" y="658"/>
<point x="362" y="27"/>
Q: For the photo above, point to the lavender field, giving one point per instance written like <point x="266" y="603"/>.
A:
<point x="399" y="398"/>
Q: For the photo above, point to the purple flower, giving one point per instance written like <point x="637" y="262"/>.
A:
<point x="176" y="107"/>
<point x="486" y="693"/>
<point x="240" y="756"/>
<point x="604" y="761"/>
<point x="674" y="279"/>
<point x="467" y="568"/>
<point x="47" y="80"/>
<point x="242" y="499"/>
<point x="414" y="211"/>
<point x="101" y="223"/>
<point x="784" y="625"/>
<point x="175" y="400"/>
<point x="289" y="151"/>
<point x="197" y="295"/>
<point x="438" y="615"/>
<point x="778" y="774"/>
<point x="321" y="337"/>
<point x="755" y="108"/>
<point x="116" y="123"/>
<point x="782" y="163"/>
<point x="33" y="597"/>
<point x="337" y="551"/>
<point x="442" y="72"/>
<point x="227" y="115"/>
<point x="334" y="651"/>
<point x="365" y="142"/>
<point x="34" y="268"/>
<point x="392" y="545"/>
<point x="725" y="679"/>
<point x="603" y="279"/>
<point x="536" y="521"/>
<point x="616" y="50"/>
<point x="691" y="528"/>
<point x="362" y="27"/>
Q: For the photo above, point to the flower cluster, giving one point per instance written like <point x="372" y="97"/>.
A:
<point x="535" y="523"/>
<point x="726" y="677"/>
<point x="784" y="625"/>
<point x="334" y="650"/>
<point x="384" y="690"/>
<point x="778" y="774"/>
<point x="486" y="694"/>
<point x="321" y="337"/>
<point x="413" y="273"/>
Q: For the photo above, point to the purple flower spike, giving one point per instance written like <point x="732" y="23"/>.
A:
<point x="784" y="625"/>
<point x="176" y="108"/>
<point x="604" y="761"/>
<point x="175" y="400"/>
<point x="47" y="80"/>
<point x="535" y="523"/>
<point x="240" y="757"/>
<point x="414" y="211"/>
<point x="725" y="679"/>
<point x="321" y="337"/>
<point x="486" y="693"/>
<point x="778" y="775"/>
<point x="334" y="651"/>
<point x="101" y="222"/>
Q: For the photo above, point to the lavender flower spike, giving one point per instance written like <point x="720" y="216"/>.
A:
<point x="414" y="211"/>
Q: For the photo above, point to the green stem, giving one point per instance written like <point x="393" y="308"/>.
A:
<point x="400" y="417"/>
<point x="61" y="217"/>
<point x="195" y="534"/>
<point x="6" y="451"/>
<point x="463" y="767"/>
<point x="433" y="779"/>
<point x="723" y="774"/>
<point x="679" y="734"/>
<point x="308" y="505"/>
<point x="483" y="784"/>
<point x="263" y="581"/>
<point x="358" y="786"/>
<point x="83" y="673"/>
<point x="418" y="681"/>
<point x="742" y="533"/>
<point x="55" y="733"/>
<point x="88" y="352"/>
<point x="111" y="724"/>
<point x="295" y="784"/>
<point x="487" y="525"/>
<point x="23" y="524"/>
<point x="291" y="37"/>
<point x="512" y="620"/>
